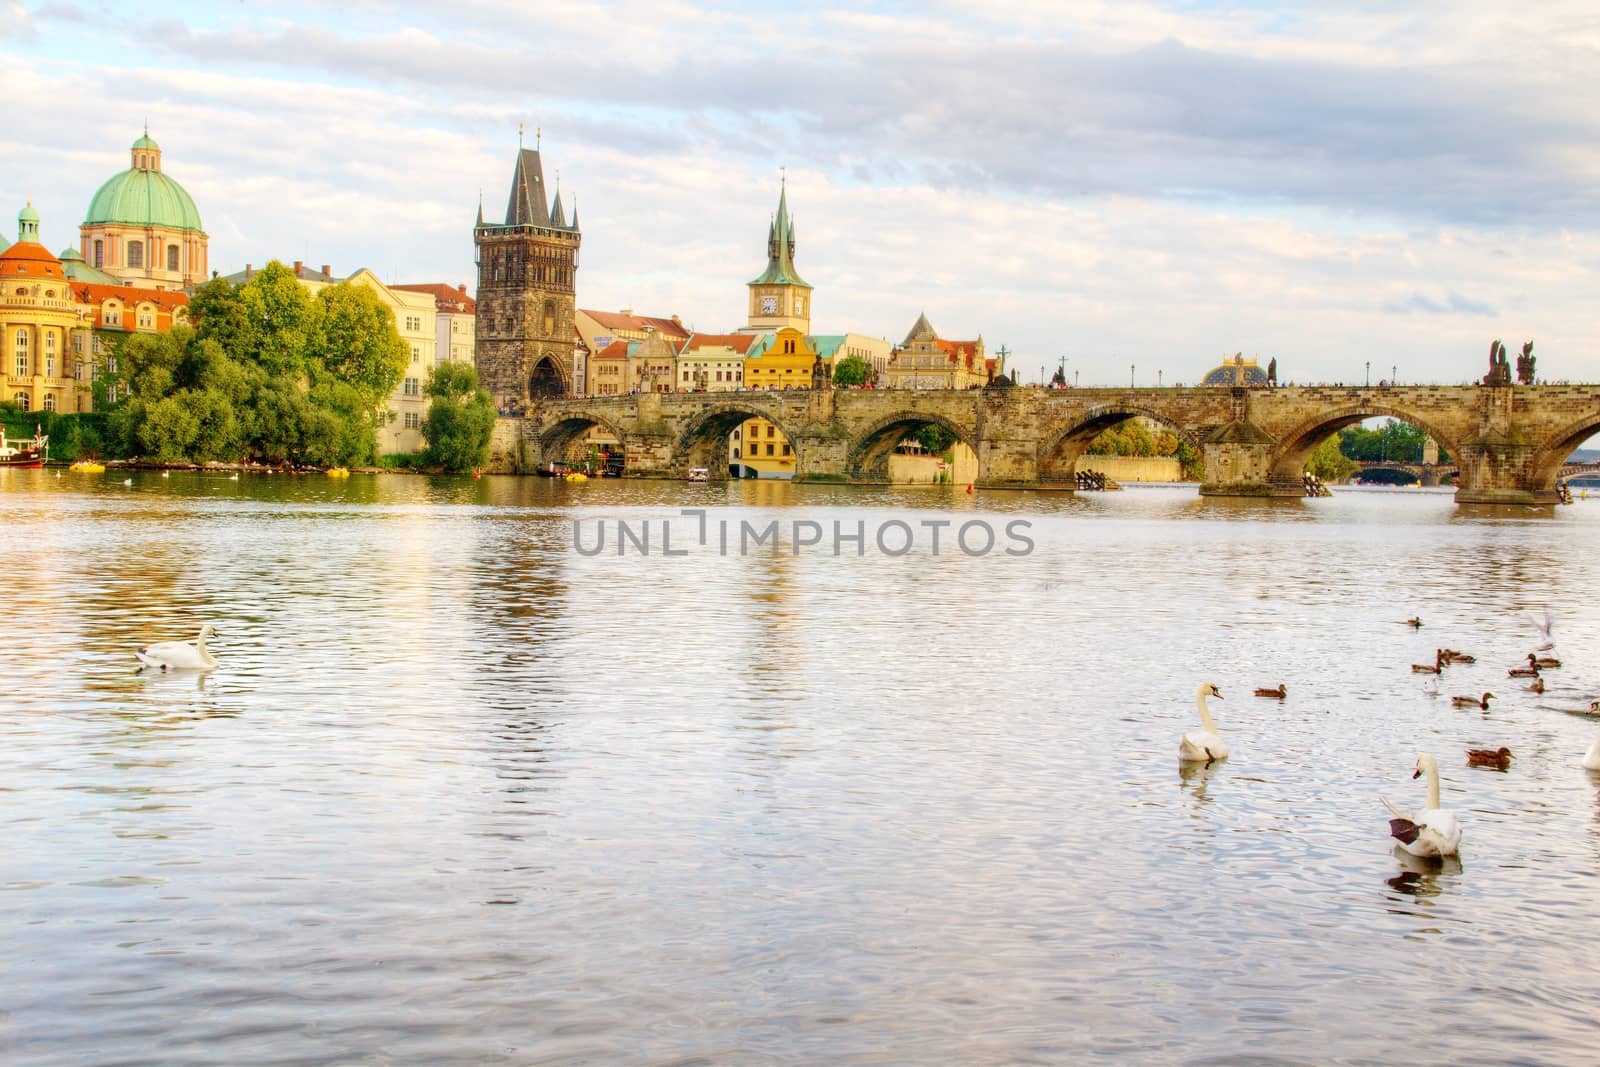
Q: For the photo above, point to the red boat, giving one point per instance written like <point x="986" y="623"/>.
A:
<point x="24" y="453"/>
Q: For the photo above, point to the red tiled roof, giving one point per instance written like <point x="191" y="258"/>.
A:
<point x="31" y="260"/>
<point x="739" y="342"/>
<point x="165" y="299"/>
<point x="960" y="351"/>
<point x="615" y="320"/>
<point x="614" y="350"/>
<point x="446" y="298"/>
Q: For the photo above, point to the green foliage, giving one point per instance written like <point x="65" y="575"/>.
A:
<point x="460" y="419"/>
<point x="1394" y="440"/>
<point x="852" y="370"/>
<point x="1329" y="463"/>
<point x="1191" y="462"/>
<point x="73" y="436"/>
<point x="1130" y="438"/>
<point x="264" y="370"/>
<point x="935" y="439"/>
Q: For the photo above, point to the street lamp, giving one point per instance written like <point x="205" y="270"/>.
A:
<point x="1394" y="373"/>
<point x="1158" y="379"/>
<point x="1130" y="376"/>
<point x="1369" y="372"/>
<point x="1074" y="379"/>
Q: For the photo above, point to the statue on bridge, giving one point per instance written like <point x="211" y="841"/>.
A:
<point x="1272" y="370"/>
<point x="1499" y="369"/>
<point x="1525" y="364"/>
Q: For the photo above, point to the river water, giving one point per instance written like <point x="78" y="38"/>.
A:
<point x="459" y="794"/>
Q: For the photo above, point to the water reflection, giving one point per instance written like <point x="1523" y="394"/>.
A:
<point x="486" y="800"/>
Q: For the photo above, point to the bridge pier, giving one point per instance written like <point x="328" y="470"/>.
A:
<point x="1238" y="460"/>
<point x="1500" y="472"/>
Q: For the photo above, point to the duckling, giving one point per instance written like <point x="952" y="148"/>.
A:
<point x="1537" y="686"/>
<point x="1523" y="672"/>
<point x="1452" y="656"/>
<point x="1277" y="694"/>
<point x="1423" y="668"/>
<point x="1499" y="758"/>
<point x="1542" y="661"/>
<point x="1473" y="702"/>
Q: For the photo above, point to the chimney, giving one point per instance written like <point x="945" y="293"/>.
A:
<point x="327" y="271"/>
<point x="676" y="321"/>
<point x="462" y="288"/>
<point x="299" y="268"/>
<point x="249" y="272"/>
<point x="627" y="311"/>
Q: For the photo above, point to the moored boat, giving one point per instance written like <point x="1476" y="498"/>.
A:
<point x="88" y="466"/>
<point x="699" y="474"/>
<point x="25" y="452"/>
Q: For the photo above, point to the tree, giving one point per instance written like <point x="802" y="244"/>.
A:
<point x="935" y="439"/>
<point x="1329" y="463"/>
<point x="358" y="342"/>
<point x="460" y="418"/>
<point x="852" y="370"/>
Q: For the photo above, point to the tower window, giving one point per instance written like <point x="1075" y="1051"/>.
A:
<point x="172" y="257"/>
<point x="99" y="253"/>
<point x="135" y="253"/>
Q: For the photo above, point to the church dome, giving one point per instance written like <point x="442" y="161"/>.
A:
<point x="143" y="196"/>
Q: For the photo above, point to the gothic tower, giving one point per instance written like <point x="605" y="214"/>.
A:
<point x="780" y="297"/>
<point x="527" y="291"/>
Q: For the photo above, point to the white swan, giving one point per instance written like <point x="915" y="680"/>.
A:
<point x="179" y="655"/>
<point x="1203" y="746"/>
<point x="1591" y="759"/>
<point x="1431" y="832"/>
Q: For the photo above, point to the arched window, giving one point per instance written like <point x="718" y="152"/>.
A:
<point x="549" y="317"/>
<point x="135" y="253"/>
<point x="172" y="257"/>
<point x="99" y="253"/>
<point x="22" y="401"/>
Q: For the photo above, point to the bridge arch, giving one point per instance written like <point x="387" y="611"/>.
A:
<point x="868" y="458"/>
<point x="555" y="439"/>
<point x="1058" y="455"/>
<point x="1295" y="447"/>
<point x="1557" y="449"/>
<point x="547" y="379"/>
<point x="704" y="439"/>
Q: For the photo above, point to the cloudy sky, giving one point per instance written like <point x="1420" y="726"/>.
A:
<point x="1126" y="185"/>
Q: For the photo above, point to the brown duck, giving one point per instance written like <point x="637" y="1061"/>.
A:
<point x="1277" y="694"/>
<point x="1498" y="758"/>
<point x="1537" y="686"/>
<point x="1438" y="664"/>
<point x="1452" y="656"/>
<point x="1543" y="662"/>
<point x="1473" y="702"/>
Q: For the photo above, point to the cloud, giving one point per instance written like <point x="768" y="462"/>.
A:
<point x="1452" y="304"/>
<point x="15" y="24"/>
<point x="60" y="12"/>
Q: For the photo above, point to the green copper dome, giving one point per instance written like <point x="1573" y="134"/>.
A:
<point x="28" y="214"/>
<point x="143" y="196"/>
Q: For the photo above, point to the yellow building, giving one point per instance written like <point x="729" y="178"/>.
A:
<point x="40" y="318"/>
<point x="927" y="361"/>
<point x="142" y="227"/>
<point x="415" y="317"/>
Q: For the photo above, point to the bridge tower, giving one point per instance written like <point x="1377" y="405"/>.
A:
<point x="779" y="297"/>
<point x="527" y="292"/>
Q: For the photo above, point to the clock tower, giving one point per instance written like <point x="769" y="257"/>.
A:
<point x="780" y="298"/>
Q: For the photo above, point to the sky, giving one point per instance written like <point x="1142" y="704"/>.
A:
<point x="1138" y="188"/>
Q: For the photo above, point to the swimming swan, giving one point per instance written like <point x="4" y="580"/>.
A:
<point x="1431" y="831"/>
<point x="179" y="655"/>
<point x="1204" y="746"/>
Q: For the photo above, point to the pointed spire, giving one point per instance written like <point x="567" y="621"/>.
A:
<point x="922" y="331"/>
<point x="527" y="205"/>
<point x="574" y="211"/>
<point x="780" y="247"/>
<point x="480" y="207"/>
<point x="557" y="218"/>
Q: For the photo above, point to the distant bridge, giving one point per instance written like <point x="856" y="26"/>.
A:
<point x="1511" y="442"/>
<point x="1426" y="473"/>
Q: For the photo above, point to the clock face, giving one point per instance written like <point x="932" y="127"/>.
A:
<point x="769" y="305"/>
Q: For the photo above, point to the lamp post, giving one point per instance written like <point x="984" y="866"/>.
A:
<point x="1130" y="376"/>
<point x="1041" y="376"/>
<point x="1158" y="379"/>
<point x="1394" y="374"/>
<point x="1369" y="372"/>
<point x="1074" y="379"/>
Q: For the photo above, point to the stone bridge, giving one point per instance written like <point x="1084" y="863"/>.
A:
<point x="1426" y="473"/>
<point x="1510" y="441"/>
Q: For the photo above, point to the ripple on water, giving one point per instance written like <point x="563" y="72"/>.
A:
<point x="458" y="795"/>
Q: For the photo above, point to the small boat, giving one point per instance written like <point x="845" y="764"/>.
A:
<point x="24" y="453"/>
<point x="699" y="474"/>
<point x="338" y="472"/>
<point x="577" y="476"/>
